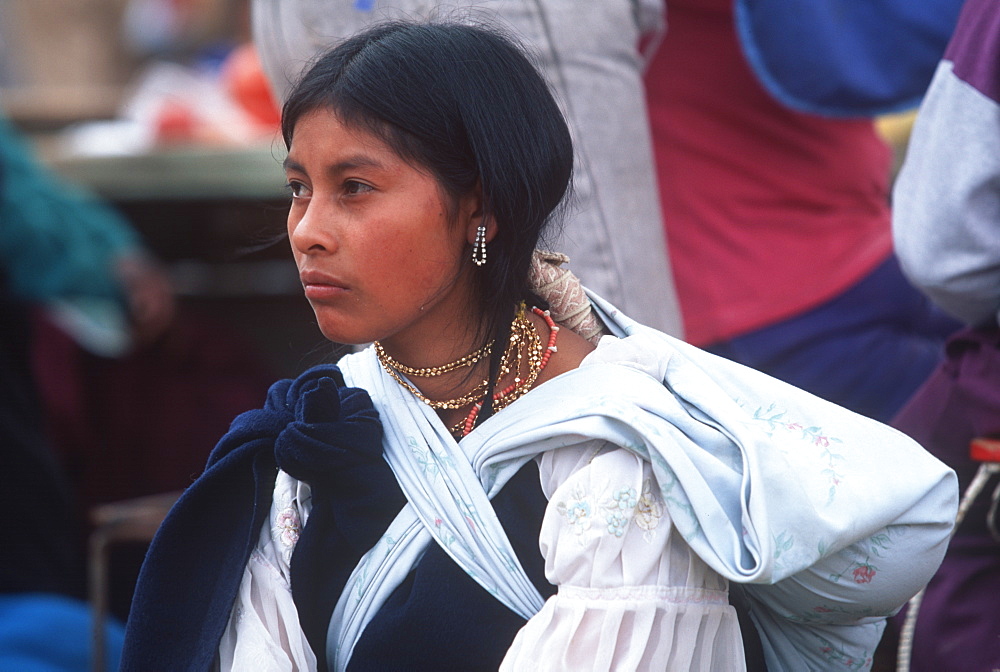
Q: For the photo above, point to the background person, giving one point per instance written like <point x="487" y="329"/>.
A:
<point x="62" y="251"/>
<point x="946" y="222"/>
<point x="774" y="185"/>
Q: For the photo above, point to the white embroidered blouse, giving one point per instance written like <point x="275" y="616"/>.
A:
<point x="632" y="595"/>
<point x="628" y="585"/>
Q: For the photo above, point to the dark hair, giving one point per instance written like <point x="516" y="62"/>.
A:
<point x="465" y="103"/>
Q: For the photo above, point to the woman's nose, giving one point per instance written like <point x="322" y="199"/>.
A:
<point x="313" y="231"/>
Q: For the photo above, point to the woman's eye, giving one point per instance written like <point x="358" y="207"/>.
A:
<point x="353" y="187"/>
<point x="297" y="189"/>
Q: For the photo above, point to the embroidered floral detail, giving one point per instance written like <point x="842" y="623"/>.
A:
<point x="837" y="655"/>
<point x="626" y="498"/>
<point x="447" y="537"/>
<point x="471" y="516"/>
<point x="370" y="561"/>
<point x="286" y="526"/>
<point x="617" y="523"/>
<point x="424" y="457"/>
<point x="619" y="509"/>
<point x="578" y="511"/>
<point x="861" y="572"/>
<point x="649" y="510"/>
<point x="444" y="534"/>
<point x="782" y="543"/>
<point x="882" y="541"/>
<point x="775" y="420"/>
<point x="832" y="459"/>
<point x="579" y="515"/>
<point x="864" y="574"/>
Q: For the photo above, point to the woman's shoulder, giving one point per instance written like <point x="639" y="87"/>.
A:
<point x="643" y="350"/>
<point x="640" y="352"/>
<point x="570" y="349"/>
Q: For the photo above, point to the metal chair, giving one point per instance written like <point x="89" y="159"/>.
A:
<point x="133" y="520"/>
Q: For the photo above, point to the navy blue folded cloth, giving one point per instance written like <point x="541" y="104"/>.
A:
<point x="320" y="432"/>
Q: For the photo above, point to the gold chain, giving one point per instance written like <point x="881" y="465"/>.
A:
<point x="521" y="330"/>
<point x="452" y="404"/>
<point x="431" y="371"/>
<point x="523" y="385"/>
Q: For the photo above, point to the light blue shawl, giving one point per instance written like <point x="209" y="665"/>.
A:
<point x="833" y="520"/>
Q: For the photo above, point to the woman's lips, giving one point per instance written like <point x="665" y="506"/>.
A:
<point x="319" y="286"/>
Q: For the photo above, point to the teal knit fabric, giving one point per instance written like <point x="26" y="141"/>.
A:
<point x="57" y="241"/>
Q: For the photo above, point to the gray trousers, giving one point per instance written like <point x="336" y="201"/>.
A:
<point x="613" y="232"/>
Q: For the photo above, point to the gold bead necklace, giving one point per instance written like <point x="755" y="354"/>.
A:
<point x="432" y="371"/>
<point x="521" y="330"/>
<point x="538" y="358"/>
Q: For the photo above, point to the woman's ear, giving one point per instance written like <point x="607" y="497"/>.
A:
<point x="473" y="228"/>
<point x="472" y="207"/>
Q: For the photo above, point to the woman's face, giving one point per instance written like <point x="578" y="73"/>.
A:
<point x="380" y="253"/>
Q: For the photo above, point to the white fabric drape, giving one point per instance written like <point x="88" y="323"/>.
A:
<point x="632" y="595"/>
<point x="263" y="632"/>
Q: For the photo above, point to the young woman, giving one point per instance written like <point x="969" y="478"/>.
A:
<point x="482" y="487"/>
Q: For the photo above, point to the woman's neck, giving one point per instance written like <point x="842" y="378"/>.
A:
<point x="440" y="352"/>
<point x="456" y="369"/>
